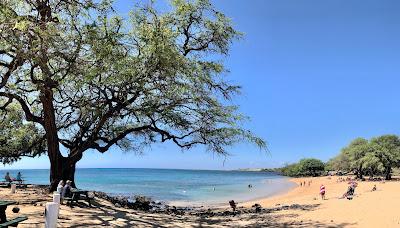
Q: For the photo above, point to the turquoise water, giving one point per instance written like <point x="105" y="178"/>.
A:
<point x="173" y="185"/>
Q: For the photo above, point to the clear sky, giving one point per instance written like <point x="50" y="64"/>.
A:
<point x="315" y="75"/>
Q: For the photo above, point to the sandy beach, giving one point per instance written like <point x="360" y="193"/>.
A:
<point x="367" y="209"/>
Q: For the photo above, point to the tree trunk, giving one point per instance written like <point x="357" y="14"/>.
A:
<point x="388" y="172"/>
<point x="360" y="172"/>
<point x="62" y="169"/>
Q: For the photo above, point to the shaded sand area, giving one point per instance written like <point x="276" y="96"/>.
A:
<point x="367" y="209"/>
<point x="104" y="214"/>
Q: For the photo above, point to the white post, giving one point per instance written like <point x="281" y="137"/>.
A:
<point x="56" y="197"/>
<point x="13" y="187"/>
<point x="51" y="215"/>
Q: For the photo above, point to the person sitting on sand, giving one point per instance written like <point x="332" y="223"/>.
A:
<point x="350" y="192"/>
<point x="374" y="188"/>
<point x="8" y="178"/>
<point x="322" y="191"/>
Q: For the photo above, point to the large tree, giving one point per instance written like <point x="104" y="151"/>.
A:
<point x="310" y="167"/>
<point x="387" y="149"/>
<point x="76" y="75"/>
<point x="356" y="151"/>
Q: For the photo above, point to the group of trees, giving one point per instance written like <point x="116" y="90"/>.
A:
<point x="305" y="167"/>
<point x="76" y="76"/>
<point x="377" y="156"/>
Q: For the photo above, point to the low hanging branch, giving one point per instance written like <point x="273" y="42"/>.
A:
<point x="82" y="77"/>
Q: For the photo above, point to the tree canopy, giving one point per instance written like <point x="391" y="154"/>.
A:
<point x="305" y="167"/>
<point x="377" y="156"/>
<point x="311" y="166"/>
<point x="373" y="157"/>
<point x="77" y="74"/>
<point x="387" y="151"/>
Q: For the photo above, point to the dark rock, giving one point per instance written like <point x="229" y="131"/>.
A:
<point x="15" y="209"/>
<point x="295" y="206"/>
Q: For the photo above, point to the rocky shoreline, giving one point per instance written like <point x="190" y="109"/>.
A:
<point x="144" y="203"/>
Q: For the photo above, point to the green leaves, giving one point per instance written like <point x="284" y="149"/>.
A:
<point x="305" y="167"/>
<point x="127" y="82"/>
<point x="376" y="156"/>
<point x="17" y="137"/>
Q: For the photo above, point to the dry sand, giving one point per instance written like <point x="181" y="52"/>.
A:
<point x="367" y="209"/>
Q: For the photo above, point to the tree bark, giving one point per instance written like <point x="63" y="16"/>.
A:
<point x="61" y="168"/>
<point x="388" y="172"/>
<point x="64" y="169"/>
<point x="360" y="172"/>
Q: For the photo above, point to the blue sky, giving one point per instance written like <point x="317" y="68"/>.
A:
<point x="315" y="75"/>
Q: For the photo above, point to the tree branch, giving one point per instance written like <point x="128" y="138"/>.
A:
<point x="28" y="114"/>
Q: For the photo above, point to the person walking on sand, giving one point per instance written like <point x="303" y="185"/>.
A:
<point x="322" y="191"/>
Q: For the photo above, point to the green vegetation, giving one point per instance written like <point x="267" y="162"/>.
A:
<point x="305" y="167"/>
<point x="78" y="76"/>
<point x="378" y="156"/>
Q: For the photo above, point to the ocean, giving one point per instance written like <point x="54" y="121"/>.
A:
<point x="184" y="187"/>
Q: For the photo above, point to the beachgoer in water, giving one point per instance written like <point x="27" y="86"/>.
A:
<point x="250" y="186"/>
<point x="322" y="191"/>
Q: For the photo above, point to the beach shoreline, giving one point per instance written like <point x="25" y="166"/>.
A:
<point x="299" y="207"/>
<point x="287" y="185"/>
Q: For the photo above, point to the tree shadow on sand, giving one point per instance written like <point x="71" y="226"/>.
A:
<point x="106" y="215"/>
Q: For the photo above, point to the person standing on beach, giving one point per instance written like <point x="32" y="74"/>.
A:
<point x="322" y="191"/>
